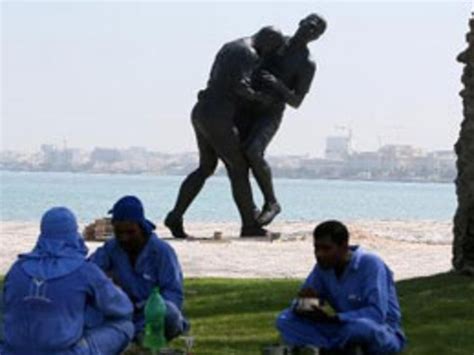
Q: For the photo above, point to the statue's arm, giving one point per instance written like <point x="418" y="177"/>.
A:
<point x="303" y="84"/>
<point x="244" y="90"/>
<point x="295" y="97"/>
<point x="243" y="83"/>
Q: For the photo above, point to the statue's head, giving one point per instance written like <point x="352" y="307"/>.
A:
<point x="268" y="41"/>
<point x="310" y="28"/>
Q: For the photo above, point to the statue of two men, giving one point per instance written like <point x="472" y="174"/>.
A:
<point x="239" y="112"/>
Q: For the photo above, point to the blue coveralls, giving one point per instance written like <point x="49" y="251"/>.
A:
<point x="366" y="303"/>
<point x="157" y="265"/>
<point x="48" y="292"/>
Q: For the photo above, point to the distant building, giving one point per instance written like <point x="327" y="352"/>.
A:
<point x="55" y="159"/>
<point x="398" y="159"/>
<point x="443" y="163"/>
<point x="105" y="155"/>
<point x="364" y="165"/>
<point x="338" y="148"/>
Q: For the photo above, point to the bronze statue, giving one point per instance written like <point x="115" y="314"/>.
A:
<point x="236" y="116"/>
<point x="213" y="122"/>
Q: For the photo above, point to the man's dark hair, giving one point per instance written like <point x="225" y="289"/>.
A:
<point x="333" y="229"/>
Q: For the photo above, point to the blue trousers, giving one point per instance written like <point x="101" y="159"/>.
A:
<point x="375" y="338"/>
<point x="109" y="337"/>
<point x="106" y="339"/>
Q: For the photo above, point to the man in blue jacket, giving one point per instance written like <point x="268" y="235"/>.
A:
<point x="49" y="292"/>
<point x="360" y="289"/>
<point x="138" y="262"/>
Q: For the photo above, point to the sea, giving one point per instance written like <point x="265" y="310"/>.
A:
<point x="24" y="196"/>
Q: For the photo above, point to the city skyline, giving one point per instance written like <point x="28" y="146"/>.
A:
<point x="340" y="161"/>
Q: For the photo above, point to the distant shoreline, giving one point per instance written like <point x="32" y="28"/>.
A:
<point x="221" y="173"/>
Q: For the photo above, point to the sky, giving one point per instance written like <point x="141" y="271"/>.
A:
<point x="121" y="74"/>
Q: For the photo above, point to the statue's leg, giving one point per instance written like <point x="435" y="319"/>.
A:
<point x="243" y="121"/>
<point x="260" y="136"/>
<point x="194" y="182"/>
<point x="224" y="137"/>
<point x="192" y="185"/>
<point x="228" y="147"/>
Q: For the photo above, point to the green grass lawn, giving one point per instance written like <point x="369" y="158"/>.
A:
<point x="232" y="316"/>
<point x="237" y="316"/>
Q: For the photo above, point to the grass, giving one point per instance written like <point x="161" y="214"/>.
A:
<point x="231" y="316"/>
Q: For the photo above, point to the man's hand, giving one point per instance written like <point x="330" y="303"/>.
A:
<point x="276" y="84"/>
<point x="308" y="293"/>
<point x="245" y="90"/>
<point x="317" y="315"/>
<point x="269" y="79"/>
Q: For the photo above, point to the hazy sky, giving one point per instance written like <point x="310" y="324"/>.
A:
<point x="120" y="74"/>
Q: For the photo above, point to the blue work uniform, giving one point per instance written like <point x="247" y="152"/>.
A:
<point x="366" y="302"/>
<point x="47" y="294"/>
<point x="156" y="266"/>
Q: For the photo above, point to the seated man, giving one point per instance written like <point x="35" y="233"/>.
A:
<point x="138" y="262"/>
<point x="360" y="289"/>
<point x="48" y="291"/>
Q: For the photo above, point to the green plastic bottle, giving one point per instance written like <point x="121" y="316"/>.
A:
<point x="155" y="311"/>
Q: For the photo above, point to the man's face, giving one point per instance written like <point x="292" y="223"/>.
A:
<point x="129" y="235"/>
<point x="329" y="254"/>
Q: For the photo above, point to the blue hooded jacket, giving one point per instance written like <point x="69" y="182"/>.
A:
<point x="48" y="291"/>
<point x="60" y="248"/>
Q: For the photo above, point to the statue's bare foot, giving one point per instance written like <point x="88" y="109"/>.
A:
<point x="270" y="211"/>
<point x="175" y="225"/>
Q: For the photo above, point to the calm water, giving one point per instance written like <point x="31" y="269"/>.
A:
<point x="24" y="196"/>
